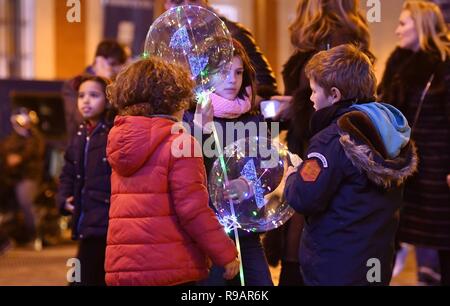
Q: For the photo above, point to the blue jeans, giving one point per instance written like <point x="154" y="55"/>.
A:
<point x="256" y="269"/>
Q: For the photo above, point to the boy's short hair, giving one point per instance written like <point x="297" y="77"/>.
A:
<point x="112" y="49"/>
<point x="151" y="87"/>
<point x="345" y="67"/>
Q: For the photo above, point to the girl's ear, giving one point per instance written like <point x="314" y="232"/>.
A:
<point x="336" y="95"/>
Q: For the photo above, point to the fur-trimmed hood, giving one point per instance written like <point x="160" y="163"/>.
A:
<point x="364" y="147"/>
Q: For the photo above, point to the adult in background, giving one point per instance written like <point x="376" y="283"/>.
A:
<point x="416" y="80"/>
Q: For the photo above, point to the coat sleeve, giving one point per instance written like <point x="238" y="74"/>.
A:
<point x="187" y="181"/>
<point x="311" y="189"/>
<point x="67" y="179"/>
<point x="392" y="65"/>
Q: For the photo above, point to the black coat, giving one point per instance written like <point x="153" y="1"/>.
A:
<point x="86" y="176"/>
<point x="426" y="216"/>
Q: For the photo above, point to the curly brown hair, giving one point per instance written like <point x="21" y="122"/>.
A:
<point x="151" y="87"/>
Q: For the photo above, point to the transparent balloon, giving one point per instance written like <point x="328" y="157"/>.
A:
<point x="195" y="38"/>
<point x="264" y="163"/>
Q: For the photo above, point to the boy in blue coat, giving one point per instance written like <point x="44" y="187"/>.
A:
<point x="349" y="187"/>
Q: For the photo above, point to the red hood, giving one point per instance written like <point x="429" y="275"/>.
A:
<point x="133" y="139"/>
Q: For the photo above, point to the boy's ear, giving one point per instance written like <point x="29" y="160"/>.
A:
<point x="336" y="95"/>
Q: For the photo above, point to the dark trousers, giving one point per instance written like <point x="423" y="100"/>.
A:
<point x="290" y="274"/>
<point x="91" y="254"/>
<point x="444" y="260"/>
<point x="256" y="269"/>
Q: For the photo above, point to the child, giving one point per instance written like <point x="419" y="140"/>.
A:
<point x="234" y="101"/>
<point x="85" y="180"/>
<point x="349" y="186"/>
<point x="161" y="230"/>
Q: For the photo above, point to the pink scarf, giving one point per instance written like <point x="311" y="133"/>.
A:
<point x="229" y="109"/>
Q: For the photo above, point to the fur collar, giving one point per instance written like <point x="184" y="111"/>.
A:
<point x="407" y="74"/>
<point x="365" y="149"/>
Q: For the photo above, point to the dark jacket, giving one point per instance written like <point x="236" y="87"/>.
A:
<point x="297" y="85"/>
<point x="266" y="81"/>
<point x="161" y="229"/>
<point x="350" y="194"/>
<point x="86" y="176"/>
<point x="255" y="265"/>
<point x="426" y="216"/>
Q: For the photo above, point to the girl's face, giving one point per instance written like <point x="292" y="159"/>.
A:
<point x="91" y="100"/>
<point x="231" y="86"/>
<point x="407" y="32"/>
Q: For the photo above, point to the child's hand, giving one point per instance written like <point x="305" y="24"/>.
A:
<point x="69" y="205"/>
<point x="204" y="113"/>
<point x="237" y="190"/>
<point x="231" y="269"/>
<point x="13" y="160"/>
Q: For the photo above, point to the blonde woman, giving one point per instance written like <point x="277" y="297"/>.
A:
<point x="319" y="25"/>
<point x="416" y="80"/>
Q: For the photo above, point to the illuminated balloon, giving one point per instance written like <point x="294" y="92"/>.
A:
<point x="263" y="163"/>
<point x="195" y="38"/>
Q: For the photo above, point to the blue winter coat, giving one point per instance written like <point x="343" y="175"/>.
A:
<point x="350" y="193"/>
<point x="86" y="176"/>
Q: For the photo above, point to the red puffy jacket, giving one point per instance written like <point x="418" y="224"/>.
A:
<point x="161" y="229"/>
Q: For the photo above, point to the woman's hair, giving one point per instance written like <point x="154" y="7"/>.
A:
<point x="431" y="27"/>
<point x="249" y="75"/>
<point x="317" y="19"/>
<point x="151" y="87"/>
